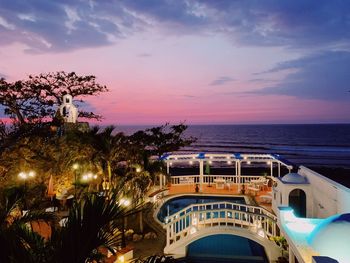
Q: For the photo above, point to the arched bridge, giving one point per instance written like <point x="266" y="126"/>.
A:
<point x="200" y="220"/>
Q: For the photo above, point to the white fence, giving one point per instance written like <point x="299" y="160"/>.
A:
<point x="195" y="179"/>
<point x="197" y="216"/>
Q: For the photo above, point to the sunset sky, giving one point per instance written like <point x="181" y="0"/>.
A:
<point x="199" y="61"/>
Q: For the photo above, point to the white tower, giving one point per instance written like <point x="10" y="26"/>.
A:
<point x="68" y="111"/>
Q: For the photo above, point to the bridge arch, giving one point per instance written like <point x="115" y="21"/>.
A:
<point x="179" y="249"/>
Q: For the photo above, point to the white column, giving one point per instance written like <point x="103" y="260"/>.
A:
<point x="160" y="181"/>
<point x="271" y="168"/>
<point x="201" y="174"/>
<point x="236" y="167"/>
<point x="279" y="169"/>
<point x="167" y="167"/>
<point x="291" y="256"/>
<point x="239" y="175"/>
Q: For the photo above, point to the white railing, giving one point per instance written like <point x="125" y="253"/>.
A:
<point x="221" y="205"/>
<point x="195" y="179"/>
<point x="198" y="216"/>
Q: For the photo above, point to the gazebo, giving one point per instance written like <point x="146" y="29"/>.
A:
<point x="231" y="159"/>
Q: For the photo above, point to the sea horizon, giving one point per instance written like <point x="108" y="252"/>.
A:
<point x="303" y="144"/>
<point x="219" y="124"/>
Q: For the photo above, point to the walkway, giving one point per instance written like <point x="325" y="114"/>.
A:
<point x="146" y="248"/>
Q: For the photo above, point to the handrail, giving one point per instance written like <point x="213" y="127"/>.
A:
<point x="226" y="205"/>
<point x="195" y="179"/>
<point x="189" y="222"/>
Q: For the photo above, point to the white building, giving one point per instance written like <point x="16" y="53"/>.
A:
<point x="311" y="211"/>
<point x="322" y="224"/>
<point x="68" y="110"/>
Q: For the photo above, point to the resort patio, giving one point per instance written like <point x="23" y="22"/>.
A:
<point x="260" y="198"/>
<point x="197" y="176"/>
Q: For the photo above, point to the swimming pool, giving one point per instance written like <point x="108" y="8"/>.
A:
<point x="175" y="204"/>
<point x="225" y="248"/>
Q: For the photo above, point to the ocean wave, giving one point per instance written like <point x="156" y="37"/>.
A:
<point x="284" y="148"/>
<point x="311" y="149"/>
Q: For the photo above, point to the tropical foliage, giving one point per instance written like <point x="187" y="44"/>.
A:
<point x="18" y="242"/>
<point x="93" y="223"/>
<point x="113" y="157"/>
<point x="36" y="141"/>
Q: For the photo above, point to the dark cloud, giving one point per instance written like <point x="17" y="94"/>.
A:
<point x="64" y="25"/>
<point x="179" y="12"/>
<point x="323" y="76"/>
<point x="284" y="23"/>
<point x="262" y="80"/>
<point x="221" y="81"/>
<point x="59" y="26"/>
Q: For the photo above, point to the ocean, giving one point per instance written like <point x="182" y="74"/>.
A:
<point x="302" y="144"/>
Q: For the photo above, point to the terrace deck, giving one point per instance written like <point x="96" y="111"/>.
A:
<point x="257" y="197"/>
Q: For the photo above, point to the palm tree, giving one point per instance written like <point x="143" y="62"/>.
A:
<point x="136" y="184"/>
<point x="109" y="149"/>
<point x="93" y="223"/>
<point x="17" y="240"/>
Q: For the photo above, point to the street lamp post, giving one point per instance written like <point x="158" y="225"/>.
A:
<point x="24" y="176"/>
<point x="75" y="168"/>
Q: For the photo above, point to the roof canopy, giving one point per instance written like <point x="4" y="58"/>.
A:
<point x="224" y="157"/>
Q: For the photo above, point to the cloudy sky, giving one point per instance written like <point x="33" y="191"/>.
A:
<point x="199" y="61"/>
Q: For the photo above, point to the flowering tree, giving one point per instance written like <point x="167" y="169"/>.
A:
<point x="35" y="99"/>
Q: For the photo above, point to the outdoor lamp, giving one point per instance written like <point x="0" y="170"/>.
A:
<point x="25" y="176"/>
<point x="89" y="176"/>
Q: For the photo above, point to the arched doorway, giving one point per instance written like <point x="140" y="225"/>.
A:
<point x="297" y="201"/>
<point x="225" y="248"/>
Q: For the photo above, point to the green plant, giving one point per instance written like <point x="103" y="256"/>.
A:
<point x="281" y="242"/>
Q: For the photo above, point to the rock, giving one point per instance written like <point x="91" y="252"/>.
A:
<point x="136" y="237"/>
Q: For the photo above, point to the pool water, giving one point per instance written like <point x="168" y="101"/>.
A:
<point x="176" y="204"/>
<point x="225" y="248"/>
